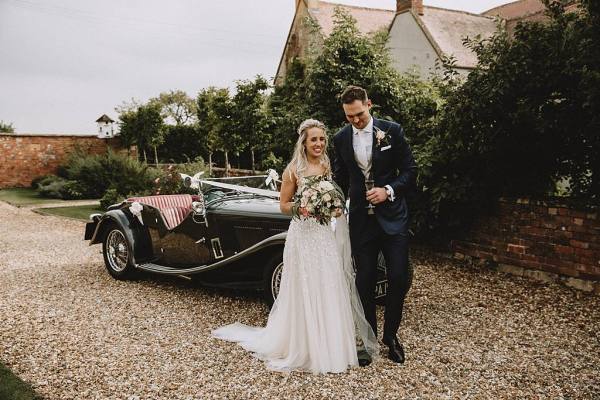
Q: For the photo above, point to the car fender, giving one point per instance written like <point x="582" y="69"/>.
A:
<point x="136" y="234"/>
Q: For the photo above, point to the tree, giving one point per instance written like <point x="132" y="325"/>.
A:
<point x="525" y="118"/>
<point x="227" y="139"/>
<point x="286" y="109"/>
<point x="176" y="107"/>
<point x="350" y="58"/>
<point x="152" y="128"/>
<point x="6" y="127"/>
<point x="144" y="127"/>
<point x="249" y="119"/>
<point x="182" y="144"/>
<point x="127" y="129"/>
<point x="209" y="124"/>
<point x="526" y="114"/>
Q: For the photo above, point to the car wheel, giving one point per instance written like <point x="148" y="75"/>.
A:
<point x="272" y="278"/>
<point x="117" y="254"/>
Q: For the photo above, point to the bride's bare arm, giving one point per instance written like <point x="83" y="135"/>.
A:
<point x="288" y="188"/>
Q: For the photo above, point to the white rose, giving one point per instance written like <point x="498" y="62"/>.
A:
<point x="326" y="185"/>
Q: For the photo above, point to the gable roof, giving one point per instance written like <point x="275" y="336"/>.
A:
<point x="368" y="20"/>
<point x="446" y="30"/>
<point x="516" y="9"/>
<point x="104" y="118"/>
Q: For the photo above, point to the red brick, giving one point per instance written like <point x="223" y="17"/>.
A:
<point x="577" y="214"/>
<point x="589" y="260"/>
<point x="588" y="269"/>
<point x="541" y="209"/>
<point x="584" y="252"/>
<point x="563" y="211"/>
<point x="42" y="155"/>
<point x="577" y="243"/>
<point x="515" y="248"/>
<point x="559" y="249"/>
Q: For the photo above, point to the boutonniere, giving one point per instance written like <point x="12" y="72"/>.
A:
<point x="382" y="137"/>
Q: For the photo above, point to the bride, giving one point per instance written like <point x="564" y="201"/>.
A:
<point x="317" y="322"/>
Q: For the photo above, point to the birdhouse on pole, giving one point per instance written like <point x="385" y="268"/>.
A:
<point x="105" y="127"/>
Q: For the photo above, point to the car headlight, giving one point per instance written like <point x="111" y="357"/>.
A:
<point x="198" y="207"/>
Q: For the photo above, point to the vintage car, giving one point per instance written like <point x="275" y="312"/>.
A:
<point x="227" y="235"/>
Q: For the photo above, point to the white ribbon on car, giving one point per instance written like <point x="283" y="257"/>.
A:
<point x="272" y="176"/>
<point x="136" y="209"/>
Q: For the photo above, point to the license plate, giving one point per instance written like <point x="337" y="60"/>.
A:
<point x="381" y="289"/>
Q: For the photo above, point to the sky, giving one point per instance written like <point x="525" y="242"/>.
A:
<point x="64" y="63"/>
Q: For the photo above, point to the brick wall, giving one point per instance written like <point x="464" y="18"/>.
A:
<point x="547" y="236"/>
<point x="24" y="157"/>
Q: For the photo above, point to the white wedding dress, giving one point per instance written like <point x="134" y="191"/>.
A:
<point x="316" y="323"/>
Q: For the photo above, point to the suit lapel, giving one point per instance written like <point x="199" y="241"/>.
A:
<point x="350" y="149"/>
<point x="374" y="149"/>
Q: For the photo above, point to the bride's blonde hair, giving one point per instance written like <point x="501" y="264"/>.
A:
<point x="299" y="161"/>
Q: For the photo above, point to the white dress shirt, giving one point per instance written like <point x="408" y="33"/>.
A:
<point x="362" y="142"/>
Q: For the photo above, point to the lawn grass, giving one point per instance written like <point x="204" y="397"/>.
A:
<point x="24" y="197"/>
<point x="12" y="388"/>
<point x="77" y="212"/>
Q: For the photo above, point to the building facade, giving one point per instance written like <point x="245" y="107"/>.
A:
<point x="420" y="37"/>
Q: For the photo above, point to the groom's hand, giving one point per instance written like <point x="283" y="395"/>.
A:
<point x="377" y="195"/>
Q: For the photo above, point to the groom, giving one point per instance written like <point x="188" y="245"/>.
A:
<point x="373" y="149"/>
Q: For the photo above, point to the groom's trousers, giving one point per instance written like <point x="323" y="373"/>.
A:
<point x="395" y="252"/>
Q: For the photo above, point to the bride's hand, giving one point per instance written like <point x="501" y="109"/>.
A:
<point x="338" y="212"/>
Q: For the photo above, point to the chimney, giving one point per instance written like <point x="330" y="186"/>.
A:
<point x="406" y="5"/>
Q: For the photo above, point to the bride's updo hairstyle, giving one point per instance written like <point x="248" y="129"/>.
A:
<point x="299" y="160"/>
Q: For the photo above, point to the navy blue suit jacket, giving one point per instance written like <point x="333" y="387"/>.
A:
<point x="395" y="167"/>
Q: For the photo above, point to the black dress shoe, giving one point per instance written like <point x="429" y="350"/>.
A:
<point x="396" y="351"/>
<point x="364" y="358"/>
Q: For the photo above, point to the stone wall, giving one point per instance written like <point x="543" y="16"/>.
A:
<point x="550" y="238"/>
<point x="24" y="157"/>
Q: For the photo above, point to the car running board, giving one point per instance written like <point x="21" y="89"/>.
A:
<point x="162" y="269"/>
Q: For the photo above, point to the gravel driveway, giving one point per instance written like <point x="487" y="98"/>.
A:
<point x="73" y="332"/>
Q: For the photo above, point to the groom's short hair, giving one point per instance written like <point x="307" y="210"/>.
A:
<point x="353" y="93"/>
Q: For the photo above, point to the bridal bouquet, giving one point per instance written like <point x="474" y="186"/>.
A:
<point x="321" y="200"/>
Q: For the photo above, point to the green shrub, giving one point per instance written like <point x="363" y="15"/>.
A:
<point x="95" y="174"/>
<point x="55" y="187"/>
<point x="271" y="161"/>
<point x="36" y="181"/>
<point x="72" y="190"/>
<point x="169" y="179"/>
<point x="524" y="123"/>
<point x="192" y="168"/>
<point x="111" y="197"/>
